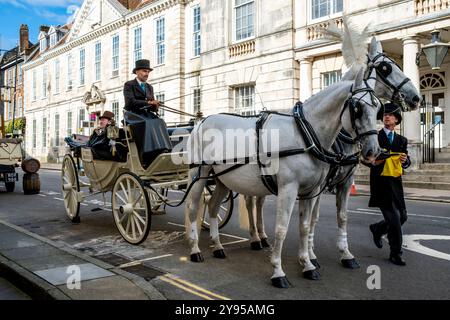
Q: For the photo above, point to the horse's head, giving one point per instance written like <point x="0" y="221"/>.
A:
<point x="391" y="82"/>
<point x="364" y="109"/>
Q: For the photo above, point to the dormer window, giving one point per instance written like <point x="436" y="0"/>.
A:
<point x="53" y="39"/>
<point x="43" y="44"/>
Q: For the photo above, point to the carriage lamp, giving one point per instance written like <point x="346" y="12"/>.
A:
<point x="435" y="51"/>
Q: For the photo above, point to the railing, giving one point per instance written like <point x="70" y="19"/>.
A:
<point x="422" y="7"/>
<point x="313" y="32"/>
<point x="429" y="143"/>
<point x="242" y="48"/>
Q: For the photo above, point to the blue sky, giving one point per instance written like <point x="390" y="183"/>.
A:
<point x="35" y="13"/>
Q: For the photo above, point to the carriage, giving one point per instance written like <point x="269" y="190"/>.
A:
<point x="138" y="190"/>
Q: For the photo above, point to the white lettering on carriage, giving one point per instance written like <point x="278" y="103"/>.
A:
<point x="374" y="281"/>
<point x="186" y="310"/>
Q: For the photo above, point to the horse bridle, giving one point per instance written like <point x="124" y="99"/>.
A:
<point x="383" y="70"/>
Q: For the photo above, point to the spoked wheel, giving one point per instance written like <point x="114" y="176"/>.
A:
<point x="225" y="211"/>
<point x="131" y="208"/>
<point x="155" y="201"/>
<point x="70" y="187"/>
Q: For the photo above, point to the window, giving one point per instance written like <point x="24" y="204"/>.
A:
<point x="20" y="74"/>
<point x="19" y="107"/>
<point x="43" y="44"/>
<point x="34" y="133"/>
<point x="56" y="76"/>
<point x="328" y="78"/>
<point x="197" y="25"/>
<point x="56" y="143"/>
<point x="244" y="15"/>
<point x="44" y="132"/>
<point x="137" y="44"/>
<point x="44" y="82"/>
<point x="53" y="39"/>
<point x="160" y="38"/>
<point x="115" y="56"/>
<point x="197" y="99"/>
<point x="34" y="85"/>
<point x="98" y="60"/>
<point x="69" y="123"/>
<point x="115" y="110"/>
<point x="82" y="65"/>
<point x="323" y="8"/>
<point x="244" y="100"/>
<point x="161" y="97"/>
<point x="69" y="72"/>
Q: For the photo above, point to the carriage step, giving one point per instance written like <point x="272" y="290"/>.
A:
<point x="159" y="212"/>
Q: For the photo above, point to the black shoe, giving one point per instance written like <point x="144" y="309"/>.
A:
<point x="376" y="238"/>
<point x="397" y="259"/>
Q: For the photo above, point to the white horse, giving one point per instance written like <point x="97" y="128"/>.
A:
<point x="298" y="174"/>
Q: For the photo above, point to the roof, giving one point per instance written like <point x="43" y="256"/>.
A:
<point x="145" y="3"/>
<point x="10" y="55"/>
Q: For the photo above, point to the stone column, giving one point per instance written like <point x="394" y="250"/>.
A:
<point x="411" y="120"/>
<point x="305" y="78"/>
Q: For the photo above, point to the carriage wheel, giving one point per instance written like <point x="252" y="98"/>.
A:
<point x="70" y="187"/>
<point x="155" y="201"/>
<point x="225" y="211"/>
<point x="131" y="208"/>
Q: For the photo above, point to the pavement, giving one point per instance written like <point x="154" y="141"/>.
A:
<point x="38" y="268"/>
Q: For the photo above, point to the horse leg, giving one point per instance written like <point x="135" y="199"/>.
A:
<point x="259" y="202"/>
<point x="314" y="220"/>
<point x="192" y="213"/>
<point x="342" y="195"/>
<point x="305" y="211"/>
<point x="255" y="241"/>
<point x="285" y="203"/>
<point x="217" y="197"/>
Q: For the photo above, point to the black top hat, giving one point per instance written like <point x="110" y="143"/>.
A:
<point x="142" y="64"/>
<point x="395" y="110"/>
<point x="107" y="114"/>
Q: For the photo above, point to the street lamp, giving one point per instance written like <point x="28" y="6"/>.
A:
<point x="435" y="51"/>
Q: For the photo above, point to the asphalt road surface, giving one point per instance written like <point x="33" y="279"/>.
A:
<point x="163" y="259"/>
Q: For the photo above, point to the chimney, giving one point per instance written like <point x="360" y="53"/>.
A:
<point x="24" y="37"/>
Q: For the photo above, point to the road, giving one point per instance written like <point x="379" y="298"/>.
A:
<point x="163" y="259"/>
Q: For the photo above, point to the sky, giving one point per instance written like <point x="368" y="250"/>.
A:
<point x="34" y="13"/>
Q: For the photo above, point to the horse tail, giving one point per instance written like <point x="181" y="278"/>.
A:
<point x="244" y="222"/>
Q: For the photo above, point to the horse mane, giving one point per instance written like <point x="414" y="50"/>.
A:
<point x="320" y="95"/>
<point x="354" y="42"/>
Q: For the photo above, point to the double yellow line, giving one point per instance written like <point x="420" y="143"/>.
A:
<point x="191" y="288"/>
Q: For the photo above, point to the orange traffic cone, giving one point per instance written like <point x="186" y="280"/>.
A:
<point x="353" y="190"/>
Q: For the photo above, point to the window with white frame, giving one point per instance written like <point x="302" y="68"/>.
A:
<point x="42" y="44"/>
<point x="197" y="100"/>
<point x="160" y="40"/>
<point x="115" y="55"/>
<point x="323" y="8"/>
<point x="34" y="133"/>
<point x="161" y="97"/>
<point x="53" y="39"/>
<point x="196" y="28"/>
<point x="98" y="61"/>
<point x="82" y="66"/>
<point x="244" y="100"/>
<point x="56" y="128"/>
<point x="115" y="110"/>
<point x="69" y="123"/>
<point x="244" y="19"/>
<point x="44" y="82"/>
<point x="20" y="74"/>
<point x="328" y="78"/>
<point x="44" y="132"/>
<point x="57" y="75"/>
<point x="19" y="106"/>
<point x="69" y="72"/>
<point x="137" y="43"/>
<point x="81" y="117"/>
<point x="34" y="85"/>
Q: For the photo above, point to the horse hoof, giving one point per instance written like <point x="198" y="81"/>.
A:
<point x="315" y="263"/>
<point x="312" y="275"/>
<point x="265" y="243"/>
<point x="281" y="282"/>
<point x="197" y="257"/>
<point x="350" y="263"/>
<point x="257" y="245"/>
<point x="220" y="254"/>
<point x="76" y="219"/>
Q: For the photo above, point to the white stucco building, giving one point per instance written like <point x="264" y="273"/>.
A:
<point x="217" y="56"/>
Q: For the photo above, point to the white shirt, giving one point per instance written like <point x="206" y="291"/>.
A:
<point x="387" y="132"/>
<point x="140" y="82"/>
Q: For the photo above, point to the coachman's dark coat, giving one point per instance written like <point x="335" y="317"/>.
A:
<point x="384" y="191"/>
<point x="135" y="97"/>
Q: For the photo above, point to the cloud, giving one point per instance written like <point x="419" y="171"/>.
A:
<point x="52" y="3"/>
<point x="15" y="3"/>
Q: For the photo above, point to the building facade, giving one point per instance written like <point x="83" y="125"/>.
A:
<point x="217" y="56"/>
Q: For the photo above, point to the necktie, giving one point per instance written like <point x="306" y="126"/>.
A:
<point x="143" y="86"/>
<point x="391" y="137"/>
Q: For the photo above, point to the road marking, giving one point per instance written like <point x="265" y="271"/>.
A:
<point x="83" y="204"/>
<point x="192" y="288"/>
<point x="411" y="242"/>
<point x="138" y="262"/>
<point x="372" y="212"/>
<point x="364" y="212"/>
<point x="41" y="195"/>
<point x="240" y="239"/>
<point x="58" y="199"/>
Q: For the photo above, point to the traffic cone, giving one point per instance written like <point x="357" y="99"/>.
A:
<point x="353" y="190"/>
